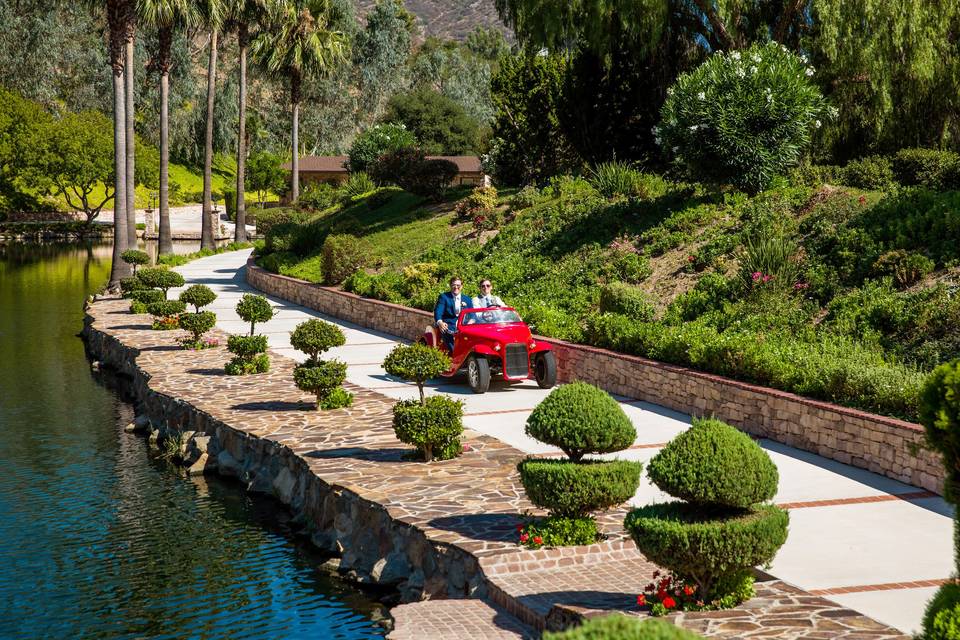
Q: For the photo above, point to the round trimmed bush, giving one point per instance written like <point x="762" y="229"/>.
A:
<point x="621" y="627"/>
<point x="198" y="295"/>
<point x="320" y="378"/>
<point x="941" y="620"/>
<point x="136" y="258"/>
<point x="314" y="336"/>
<point x="253" y="309"/>
<point x="129" y="285"/>
<point x="246" y="346"/>
<point x="157" y="278"/>
<point x="869" y="172"/>
<point x="146" y="296"/>
<point x="433" y="427"/>
<point x="336" y="399"/>
<point x="417" y="363"/>
<point x="580" y="418"/>
<point x="713" y="463"/>
<point x="238" y="366"/>
<point x="197" y="323"/>
<point x="707" y="545"/>
<point x="742" y="117"/>
<point x="166" y="308"/>
<point x="940" y="417"/>
<point x="567" y="488"/>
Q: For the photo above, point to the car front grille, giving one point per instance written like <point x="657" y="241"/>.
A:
<point x="516" y="361"/>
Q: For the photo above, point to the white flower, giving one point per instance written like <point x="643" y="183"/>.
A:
<point x="655" y="130"/>
<point x="702" y="95"/>
<point x="675" y="149"/>
<point x="740" y="73"/>
<point x="735" y="55"/>
<point x="834" y="112"/>
<point x="658" y="140"/>
<point x="670" y="91"/>
<point x="804" y="58"/>
<point x="694" y="127"/>
<point x="755" y="57"/>
<point x="817" y="123"/>
<point x="809" y="71"/>
<point x="753" y="69"/>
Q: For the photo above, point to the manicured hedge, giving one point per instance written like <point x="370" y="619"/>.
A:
<point x="433" y="427"/>
<point x="570" y="489"/>
<point x="621" y="627"/>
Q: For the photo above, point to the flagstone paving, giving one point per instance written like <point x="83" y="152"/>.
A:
<point x="864" y="541"/>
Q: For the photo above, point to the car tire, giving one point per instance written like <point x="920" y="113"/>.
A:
<point x="545" y="369"/>
<point x="478" y="374"/>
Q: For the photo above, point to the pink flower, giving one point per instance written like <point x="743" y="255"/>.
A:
<point x="524" y="537"/>
<point x="756" y="275"/>
<point x="767" y="278"/>
<point x="862" y="200"/>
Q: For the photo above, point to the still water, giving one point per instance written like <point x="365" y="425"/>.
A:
<point x="98" y="539"/>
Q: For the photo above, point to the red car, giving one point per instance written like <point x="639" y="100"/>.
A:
<point x="496" y="341"/>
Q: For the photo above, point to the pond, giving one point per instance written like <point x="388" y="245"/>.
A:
<point x="103" y="539"/>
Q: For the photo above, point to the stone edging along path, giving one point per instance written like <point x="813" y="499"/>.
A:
<point x="879" y="444"/>
<point x="439" y="530"/>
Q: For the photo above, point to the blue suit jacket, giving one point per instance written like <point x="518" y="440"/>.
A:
<point x="445" y="309"/>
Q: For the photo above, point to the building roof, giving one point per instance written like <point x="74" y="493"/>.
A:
<point x="336" y="164"/>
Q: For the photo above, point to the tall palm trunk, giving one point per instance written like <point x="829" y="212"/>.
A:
<point x="206" y="229"/>
<point x="165" y="239"/>
<point x="240" y="232"/>
<point x="130" y="141"/>
<point x="295" y="165"/>
<point x="116" y="17"/>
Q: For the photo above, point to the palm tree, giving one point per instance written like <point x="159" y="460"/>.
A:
<point x="243" y="13"/>
<point x="164" y="16"/>
<point x="128" y="70"/>
<point x="298" y="45"/>
<point x="211" y="14"/>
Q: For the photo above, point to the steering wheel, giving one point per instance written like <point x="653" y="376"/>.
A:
<point x="488" y="316"/>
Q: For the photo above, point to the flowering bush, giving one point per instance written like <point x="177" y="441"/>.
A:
<point x="488" y="220"/>
<point x="557" y="531"/>
<point x="377" y="140"/>
<point x="668" y="592"/>
<point x="742" y="117"/>
<point x="481" y="199"/>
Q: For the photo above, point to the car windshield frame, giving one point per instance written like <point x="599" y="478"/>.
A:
<point x="503" y="315"/>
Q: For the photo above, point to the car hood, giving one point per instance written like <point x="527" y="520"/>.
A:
<point x="500" y="332"/>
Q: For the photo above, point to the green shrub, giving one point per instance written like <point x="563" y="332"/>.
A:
<point x="146" y="296"/>
<point x="615" y="179"/>
<point x="767" y="262"/>
<point x="580" y="418"/>
<point x="136" y="258"/>
<point x="417" y="363"/>
<point x="816" y="175"/>
<point x="714" y="464"/>
<point x="253" y="309"/>
<point x="323" y="378"/>
<point x="924" y="167"/>
<point x="357" y="184"/>
<point x="742" y="117"/>
<point x="160" y="278"/>
<point x="871" y="172"/>
<point x="941" y="620"/>
<point x="559" y="531"/>
<point x="381" y="197"/>
<point x="940" y="417"/>
<point x="317" y="196"/>
<point x="129" y="285"/>
<point x="139" y="307"/>
<point x="433" y="427"/>
<point x="574" y="489"/>
<point x="621" y="627"/>
<point x="624" y="299"/>
<point x="376" y="141"/>
<point x="706" y="546"/>
<point x="250" y="356"/>
<point x="198" y="295"/>
<point x="429" y="178"/>
<point x="419" y="276"/>
<point x="314" y="336"/>
<point x="230" y="203"/>
<point x="481" y="199"/>
<point x="341" y="256"/>
<point x="906" y="268"/>
<point x="166" y="308"/>
<point x="275" y="262"/>
<point x="197" y="324"/>
<point x="526" y="198"/>
<point x="631" y="267"/>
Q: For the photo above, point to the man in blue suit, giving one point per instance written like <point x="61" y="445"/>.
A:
<point x="448" y="308"/>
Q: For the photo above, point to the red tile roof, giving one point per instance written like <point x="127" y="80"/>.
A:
<point x="335" y="164"/>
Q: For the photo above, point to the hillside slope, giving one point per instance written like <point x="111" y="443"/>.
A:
<point x="448" y="18"/>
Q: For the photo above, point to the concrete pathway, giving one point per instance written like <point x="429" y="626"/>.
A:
<point x="869" y="543"/>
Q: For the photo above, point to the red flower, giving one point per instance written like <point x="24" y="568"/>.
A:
<point x="649" y="587"/>
<point x="538" y="540"/>
<point x="641" y="600"/>
<point x="656" y="574"/>
<point x="668" y="602"/>
<point x="862" y="200"/>
<point x="661" y="595"/>
<point x="691" y="258"/>
<point x="524" y="537"/>
<point x="520" y="528"/>
<point x="688" y="590"/>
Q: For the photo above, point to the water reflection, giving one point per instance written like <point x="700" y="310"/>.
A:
<point x="101" y="539"/>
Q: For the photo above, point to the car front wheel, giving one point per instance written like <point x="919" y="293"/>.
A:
<point x="545" y="369"/>
<point x="478" y="374"/>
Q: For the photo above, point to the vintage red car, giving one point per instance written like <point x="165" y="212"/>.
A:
<point x="495" y="341"/>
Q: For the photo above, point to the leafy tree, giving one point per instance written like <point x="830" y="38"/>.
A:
<point x="23" y="127"/>
<point x="376" y="141"/>
<point x="380" y="54"/>
<point x="438" y="122"/>
<point x="265" y="174"/>
<point x="298" y="44"/>
<point x="487" y="43"/>
<point x="211" y="14"/>
<point x="457" y="73"/>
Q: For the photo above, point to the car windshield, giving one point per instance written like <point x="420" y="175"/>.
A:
<point x="490" y="316"/>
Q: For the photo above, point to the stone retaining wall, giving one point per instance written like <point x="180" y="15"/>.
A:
<point x="877" y="443"/>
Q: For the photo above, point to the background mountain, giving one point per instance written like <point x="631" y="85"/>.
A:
<point x="448" y="18"/>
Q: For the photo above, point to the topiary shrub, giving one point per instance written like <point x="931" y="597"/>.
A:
<point x="197" y="324"/>
<point x="574" y="489"/>
<point x="871" y="172"/>
<point x="742" y="117"/>
<point x="713" y="540"/>
<point x="249" y="355"/>
<point x="715" y="464"/>
<point x="940" y="417"/>
<point x="621" y="627"/>
<point x="253" y="309"/>
<point x="314" y="336"/>
<point x="323" y="378"/>
<point x="429" y="178"/>
<point x="580" y="418"/>
<point x="136" y="258"/>
<point x="158" y="278"/>
<point x="129" y="285"/>
<point x="434" y="426"/>
<point x="340" y="257"/>
<point x="941" y="620"/>
<point x="165" y="314"/>
<point x="617" y="297"/>
<point x="146" y="296"/>
<point x="197" y="295"/>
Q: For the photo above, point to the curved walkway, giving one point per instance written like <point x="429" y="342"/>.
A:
<point x="865" y="541"/>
